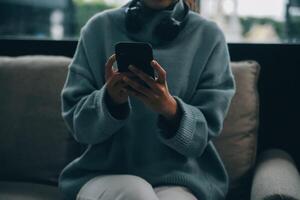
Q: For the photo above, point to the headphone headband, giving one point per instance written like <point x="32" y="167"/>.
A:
<point x="180" y="10"/>
<point x="168" y="28"/>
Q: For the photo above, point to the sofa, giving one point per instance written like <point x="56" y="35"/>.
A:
<point x="35" y="144"/>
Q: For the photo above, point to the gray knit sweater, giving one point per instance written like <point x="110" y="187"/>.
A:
<point x="199" y="78"/>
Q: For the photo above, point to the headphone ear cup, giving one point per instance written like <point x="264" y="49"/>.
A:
<point x="133" y="20"/>
<point x="167" y="29"/>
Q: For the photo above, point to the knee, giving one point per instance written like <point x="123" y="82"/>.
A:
<point x="122" y="187"/>
<point x="136" y="188"/>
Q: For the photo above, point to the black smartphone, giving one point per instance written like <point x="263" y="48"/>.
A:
<point x="139" y="54"/>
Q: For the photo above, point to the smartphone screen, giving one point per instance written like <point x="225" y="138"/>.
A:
<point x="138" y="54"/>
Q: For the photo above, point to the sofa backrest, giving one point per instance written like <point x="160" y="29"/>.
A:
<point x="35" y="143"/>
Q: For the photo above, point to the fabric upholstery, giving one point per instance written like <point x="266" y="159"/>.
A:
<point x="28" y="191"/>
<point x="34" y="142"/>
<point x="237" y="143"/>
<point x="276" y="175"/>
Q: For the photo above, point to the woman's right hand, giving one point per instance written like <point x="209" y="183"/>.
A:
<point x="116" y="87"/>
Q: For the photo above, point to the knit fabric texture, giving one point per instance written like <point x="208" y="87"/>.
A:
<point x="199" y="77"/>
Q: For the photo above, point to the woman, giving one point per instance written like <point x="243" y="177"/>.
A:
<point x="148" y="143"/>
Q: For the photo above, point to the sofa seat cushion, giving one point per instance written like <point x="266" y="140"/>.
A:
<point x="28" y="191"/>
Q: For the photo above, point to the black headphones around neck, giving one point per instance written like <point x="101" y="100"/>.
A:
<point x="167" y="29"/>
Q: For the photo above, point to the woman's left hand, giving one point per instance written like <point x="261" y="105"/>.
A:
<point x="157" y="96"/>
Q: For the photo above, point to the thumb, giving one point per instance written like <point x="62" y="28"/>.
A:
<point x="108" y="66"/>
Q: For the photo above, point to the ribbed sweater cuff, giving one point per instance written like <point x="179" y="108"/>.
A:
<point x="111" y="122"/>
<point x="118" y="111"/>
<point x="182" y="139"/>
<point x="169" y="127"/>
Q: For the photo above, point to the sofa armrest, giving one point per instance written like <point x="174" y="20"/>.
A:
<point x="275" y="177"/>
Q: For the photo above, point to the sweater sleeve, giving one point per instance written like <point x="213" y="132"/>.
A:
<point x="202" y="117"/>
<point x="84" y="105"/>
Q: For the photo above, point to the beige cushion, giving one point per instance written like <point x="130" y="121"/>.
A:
<point x="34" y="141"/>
<point x="238" y="141"/>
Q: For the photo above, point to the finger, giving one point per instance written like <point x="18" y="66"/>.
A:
<point x="161" y="72"/>
<point x="120" y="84"/>
<point x="134" y="93"/>
<point x="128" y="74"/>
<point x="145" y="77"/>
<point x="115" y="79"/>
<point x="139" y="88"/>
<point x="108" y="66"/>
<point x="118" y="77"/>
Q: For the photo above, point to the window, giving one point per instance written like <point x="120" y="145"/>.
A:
<point x="267" y="21"/>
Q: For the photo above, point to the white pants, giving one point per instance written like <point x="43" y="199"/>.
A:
<point x="129" y="187"/>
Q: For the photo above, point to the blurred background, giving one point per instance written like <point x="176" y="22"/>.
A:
<point x="243" y="21"/>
